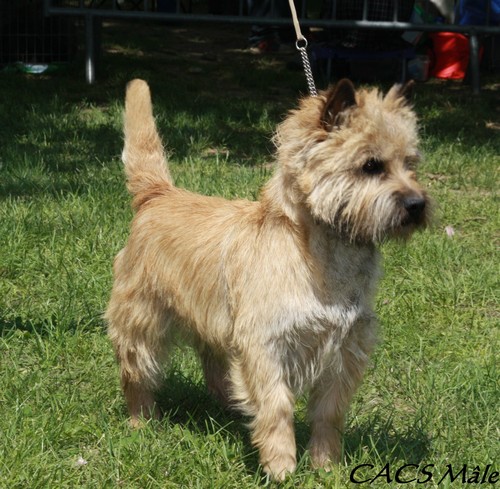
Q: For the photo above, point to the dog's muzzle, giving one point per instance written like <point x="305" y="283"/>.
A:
<point x="415" y="208"/>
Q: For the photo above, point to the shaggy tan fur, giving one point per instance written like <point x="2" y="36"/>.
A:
<point x="275" y="295"/>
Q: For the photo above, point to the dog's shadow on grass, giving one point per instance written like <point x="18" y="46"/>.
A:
<point x="187" y="403"/>
<point x="383" y="442"/>
<point x="42" y="327"/>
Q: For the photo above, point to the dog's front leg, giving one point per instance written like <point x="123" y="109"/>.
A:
<point x="326" y="412"/>
<point x="273" y="433"/>
<point x="263" y="393"/>
<point x="331" y="395"/>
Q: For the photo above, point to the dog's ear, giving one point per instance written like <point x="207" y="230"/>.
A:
<point x="403" y="92"/>
<point x="408" y="90"/>
<point x="339" y="98"/>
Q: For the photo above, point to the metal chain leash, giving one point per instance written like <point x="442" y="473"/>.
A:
<point x="307" y="67"/>
<point x="301" y="45"/>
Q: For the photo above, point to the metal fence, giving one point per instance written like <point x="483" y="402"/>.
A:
<point x="28" y="37"/>
<point x="323" y="14"/>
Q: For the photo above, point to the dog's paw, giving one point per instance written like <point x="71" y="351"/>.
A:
<point x="323" y="455"/>
<point x="139" y="421"/>
<point x="321" y="460"/>
<point x="279" y="467"/>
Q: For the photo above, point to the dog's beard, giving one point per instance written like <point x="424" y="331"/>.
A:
<point x="385" y="219"/>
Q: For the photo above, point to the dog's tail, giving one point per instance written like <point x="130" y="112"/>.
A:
<point x="143" y="154"/>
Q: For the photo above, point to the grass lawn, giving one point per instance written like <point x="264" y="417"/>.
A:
<point x="431" y="395"/>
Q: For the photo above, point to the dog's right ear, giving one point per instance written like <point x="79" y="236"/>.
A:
<point x="338" y="99"/>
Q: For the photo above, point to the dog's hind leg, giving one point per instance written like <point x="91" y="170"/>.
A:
<point x="138" y="329"/>
<point x="216" y="373"/>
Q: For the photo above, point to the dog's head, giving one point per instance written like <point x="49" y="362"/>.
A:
<point x="350" y="158"/>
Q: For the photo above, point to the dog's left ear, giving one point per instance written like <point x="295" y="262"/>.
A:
<point x="404" y="92"/>
<point x="338" y="99"/>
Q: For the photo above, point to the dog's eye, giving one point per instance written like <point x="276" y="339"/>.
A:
<point x="411" y="162"/>
<point x="373" y="167"/>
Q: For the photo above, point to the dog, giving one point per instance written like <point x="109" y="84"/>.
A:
<point x="276" y="296"/>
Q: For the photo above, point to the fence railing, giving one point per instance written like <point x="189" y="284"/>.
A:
<point x="94" y="11"/>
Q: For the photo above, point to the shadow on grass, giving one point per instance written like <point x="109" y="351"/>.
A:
<point x="385" y="441"/>
<point x="48" y="116"/>
<point x="47" y="149"/>
<point x="46" y="327"/>
<point x="449" y="113"/>
<point x="189" y="404"/>
<point x="207" y="95"/>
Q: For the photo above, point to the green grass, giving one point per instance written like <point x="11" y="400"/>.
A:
<point x="431" y="395"/>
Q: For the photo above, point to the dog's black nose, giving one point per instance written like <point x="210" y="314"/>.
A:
<point x="414" y="206"/>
